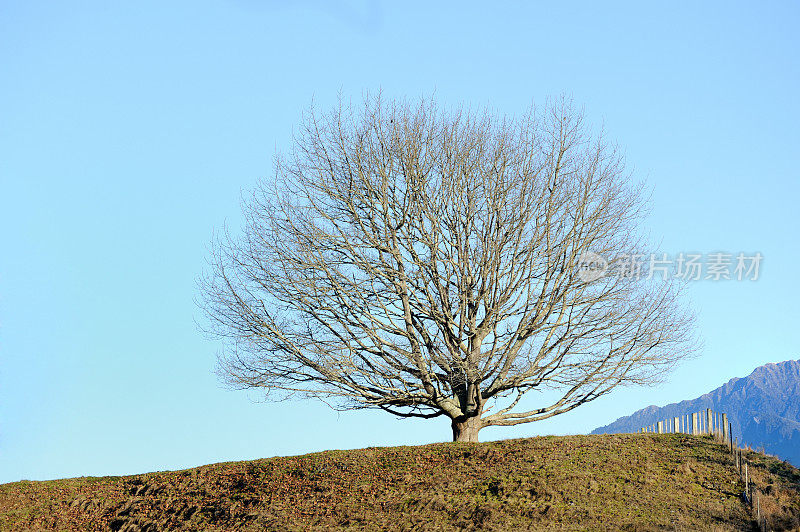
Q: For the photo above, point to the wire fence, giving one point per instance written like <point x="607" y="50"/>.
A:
<point x="716" y="425"/>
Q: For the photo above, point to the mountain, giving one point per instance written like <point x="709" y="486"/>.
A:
<point x="763" y="407"/>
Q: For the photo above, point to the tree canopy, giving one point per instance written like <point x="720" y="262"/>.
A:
<point x="425" y="261"/>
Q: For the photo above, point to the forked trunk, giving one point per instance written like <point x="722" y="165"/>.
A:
<point x="466" y="429"/>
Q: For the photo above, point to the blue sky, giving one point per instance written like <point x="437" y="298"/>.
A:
<point x="129" y="131"/>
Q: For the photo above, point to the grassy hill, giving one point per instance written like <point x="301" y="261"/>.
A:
<point x="634" y="482"/>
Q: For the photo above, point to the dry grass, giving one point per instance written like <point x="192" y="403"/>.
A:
<point x="777" y="490"/>
<point x="619" y="482"/>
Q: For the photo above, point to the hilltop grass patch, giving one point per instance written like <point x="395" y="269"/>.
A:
<point x="622" y="482"/>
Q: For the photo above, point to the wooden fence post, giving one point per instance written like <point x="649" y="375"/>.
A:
<point x="677" y="423"/>
<point x="725" y="434"/>
<point x="660" y="427"/>
<point x="758" y="509"/>
<point x="694" y="424"/>
<point x="746" y="483"/>
<point x="730" y="434"/>
<point x="709" y="422"/>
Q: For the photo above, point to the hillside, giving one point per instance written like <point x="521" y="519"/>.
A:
<point x="763" y="407"/>
<point x="641" y="482"/>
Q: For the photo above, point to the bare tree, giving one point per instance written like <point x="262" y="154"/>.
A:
<point x="424" y="261"/>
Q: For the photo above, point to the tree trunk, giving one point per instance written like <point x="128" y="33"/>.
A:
<point x="466" y="428"/>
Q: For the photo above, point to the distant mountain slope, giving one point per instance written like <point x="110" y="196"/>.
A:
<point x="763" y="407"/>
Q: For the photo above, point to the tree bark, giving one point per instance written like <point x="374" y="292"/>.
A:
<point x="466" y="428"/>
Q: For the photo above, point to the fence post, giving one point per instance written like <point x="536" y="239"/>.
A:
<point x="677" y="423"/>
<point x="758" y="509"/>
<point x="709" y="422"/>
<point x="725" y="434"/>
<point x="746" y="483"/>
<point x="730" y="434"/>
<point x="660" y="427"/>
<point x="694" y="424"/>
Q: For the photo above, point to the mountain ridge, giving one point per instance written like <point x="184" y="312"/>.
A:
<point x="763" y="407"/>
